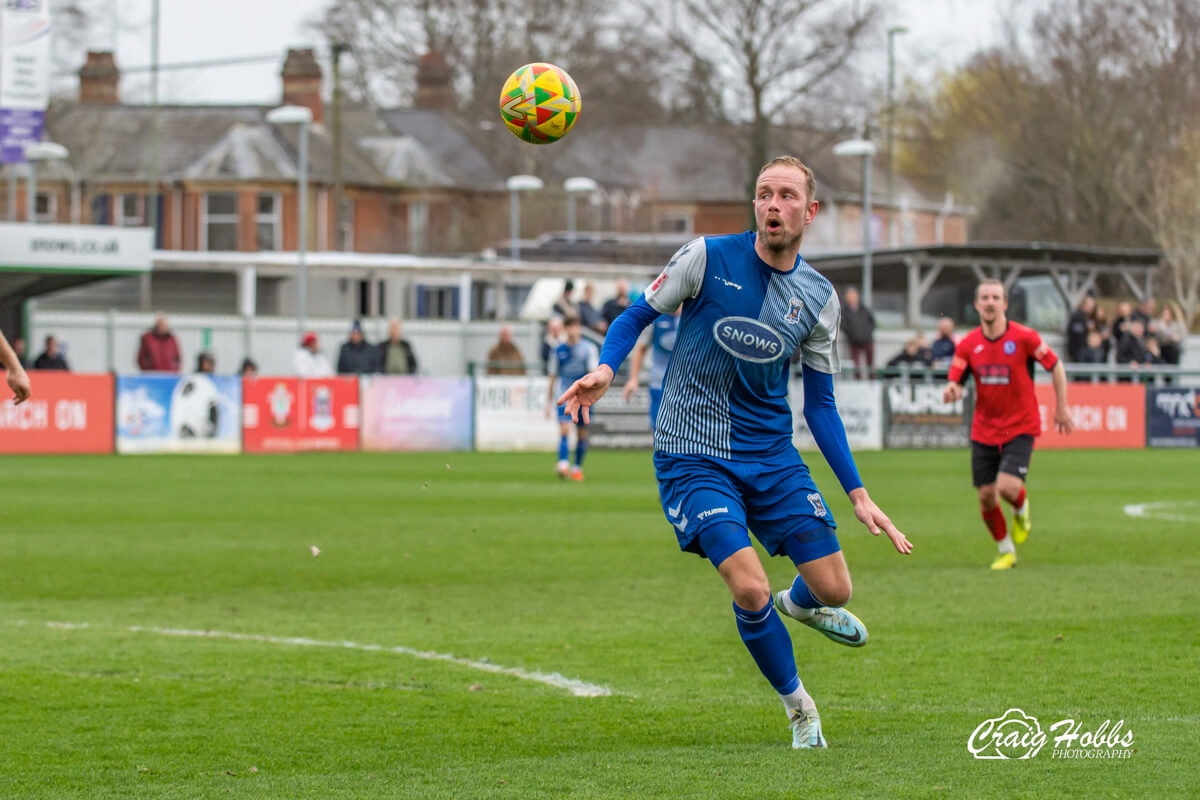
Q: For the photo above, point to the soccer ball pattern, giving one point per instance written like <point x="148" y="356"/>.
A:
<point x="539" y="103"/>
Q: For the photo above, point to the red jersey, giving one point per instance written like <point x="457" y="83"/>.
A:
<point x="1005" y="404"/>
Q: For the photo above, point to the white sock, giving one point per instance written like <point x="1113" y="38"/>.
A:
<point x="794" y="611"/>
<point x="798" y="701"/>
<point x="1021" y="510"/>
<point x="1006" y="545"/>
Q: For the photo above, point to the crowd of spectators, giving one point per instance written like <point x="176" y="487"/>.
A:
<point x="1135" y="338"/>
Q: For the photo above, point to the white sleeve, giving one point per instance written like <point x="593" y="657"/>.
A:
<point x="819" y="349"/>
<point x="593" y="358"/>
<point x="681" y="279"/>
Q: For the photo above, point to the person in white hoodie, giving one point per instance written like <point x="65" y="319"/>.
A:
<point x="309" y="361"/>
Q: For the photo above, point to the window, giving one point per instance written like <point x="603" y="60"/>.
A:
<point x="46" y="206"/>
<point x="131" y="210"/>
<point x="219" y="223"/>
<point x="674" y="222"/>
<point x="267" y="216"/>
<point x="418" y="223"/>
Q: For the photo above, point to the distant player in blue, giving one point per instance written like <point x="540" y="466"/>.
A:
<point x="723" y="438"/>
<point x="659" y="342"/>
<point x="569" y="362"/>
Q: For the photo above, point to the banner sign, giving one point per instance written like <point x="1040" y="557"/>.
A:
<point x="288" y="415"/>
<point x="915" y="416"/>
<point x="1107" y="415"/>
<point x="1173" y="417"/>
<point x="179" y="414"/>
<point x="405" y="413"/>
<point x="78" y="248"/>
<point x="860" y="404"/>
<point x="68" y="413"/>
<point x="24" y="75"/>
<point x="617" y="425"/>
<point x="510" y="414"/>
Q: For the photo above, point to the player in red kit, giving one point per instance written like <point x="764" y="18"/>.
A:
<point x="1000" y="354"/>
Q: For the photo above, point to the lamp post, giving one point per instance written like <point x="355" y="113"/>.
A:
<point x="35" y="152"/>
<point x="892" y="33"/>
<point x="302" y="116"/>
<point x="574" y="186"/>
<point x="865" y="149"/>
<point x="515" y="185"/>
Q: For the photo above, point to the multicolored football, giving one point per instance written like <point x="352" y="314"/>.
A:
<point x="539" y="103"/>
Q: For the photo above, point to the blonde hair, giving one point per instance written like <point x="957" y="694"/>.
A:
<point x="992" y="282"/>
<point x="810" y="182"/>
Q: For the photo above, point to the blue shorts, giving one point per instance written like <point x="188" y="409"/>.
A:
<point x="776" y="500"/>
<point x="564" y="417"/>
<point x="655" y="399"/>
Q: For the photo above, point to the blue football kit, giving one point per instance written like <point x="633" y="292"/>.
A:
<point x="570" y="363"/>
<point x="723" y="436"/>
<point x="661" y="338"/>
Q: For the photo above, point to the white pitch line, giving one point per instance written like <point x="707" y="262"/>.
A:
<point x="573" y="685"/>
<point x="1166" y="510"/>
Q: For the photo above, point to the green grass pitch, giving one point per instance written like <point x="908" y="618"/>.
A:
<point x="489" y="558"/>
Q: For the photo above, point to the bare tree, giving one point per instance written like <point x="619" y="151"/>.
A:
<point x="773" y="56"/>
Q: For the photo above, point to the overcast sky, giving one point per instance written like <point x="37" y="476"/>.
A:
<point x="942" y="33"/>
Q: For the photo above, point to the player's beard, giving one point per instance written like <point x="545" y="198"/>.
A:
<point x="785" y="243"/>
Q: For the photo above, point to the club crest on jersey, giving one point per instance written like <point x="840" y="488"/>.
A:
<point x="748" y="339"/>
<point x="1010" y="347"/>
<point x="793" y="315"/>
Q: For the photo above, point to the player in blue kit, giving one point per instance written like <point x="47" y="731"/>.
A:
<point x="659" y="343"/>
<point x="723" y="439"/>
<point x="570" y="361"/>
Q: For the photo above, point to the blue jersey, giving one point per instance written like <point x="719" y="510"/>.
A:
<point x="661" y="338"/>
<point x="725" y="394"/>
<point x="572" y="362"/>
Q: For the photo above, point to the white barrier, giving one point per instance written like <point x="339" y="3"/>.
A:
<point x="860" y="404"/>
<point x="510" y="414"/>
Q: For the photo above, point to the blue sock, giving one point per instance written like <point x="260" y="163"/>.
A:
<point x="563" y="448"/>
<point x="801" y="595"/>
<point x="580" y="452"/>
<point x="768" y="642"/>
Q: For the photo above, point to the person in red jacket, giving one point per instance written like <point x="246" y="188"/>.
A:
<point x="159" y="352"/>
<point x="1000" y="354"/>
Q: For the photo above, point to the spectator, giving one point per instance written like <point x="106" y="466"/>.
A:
<point x="1120" y="323"/>
<point x="554" y="336"/>
<point x="566" y="307"/>
<point x="1145" y="314"/>
<point x="1131" y="350"/>
<point x="587" y="312"/>
<point x="916" y="353"/>
<point x="505" y="357"/>
<point x="1094" y="350"/>
<point x="858" y="324"/>
<point x="1100" y="325"/>
<point x="18" y="348"/>
<point x="396" y="356"/>
<point x="206" y="364"/>
<point x="248" y="369"/>
<point x="1153" y="353"/>
<point x="52" y="358"/>
<point x="1171" y="333"/>
<point x="1078" y="326"/>
<point x="613" y="308"/>
<point x="357" y="356"/>
<point x="942" y="349"/>
<point x="158" y="351"/>
<point x="309" y="361"/>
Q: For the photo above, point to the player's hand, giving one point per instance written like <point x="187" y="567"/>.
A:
<point x="18" y="381"/>
<point x="878" y="522"/>
<point x="585" y="392"/>
<point x="1062" y="421"/>
<point x="629" y="389"/>
<point x="953" y="393"/>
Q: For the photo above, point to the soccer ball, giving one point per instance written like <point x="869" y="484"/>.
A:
<point x="195" y="408"/>
<point x="539" y="103"/>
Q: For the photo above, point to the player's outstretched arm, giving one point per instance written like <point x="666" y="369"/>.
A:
<point x="1062" y="419"/>
<point x="878" y="522"/>
<point x="586" y="392"/>
<point x="17" y="380"/>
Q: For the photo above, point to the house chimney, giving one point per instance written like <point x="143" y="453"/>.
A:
<point x="99" y="79"/>
<point x="434" y="89"/>
<point x="302" y="82"/>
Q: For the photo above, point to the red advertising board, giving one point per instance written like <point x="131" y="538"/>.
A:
<point x="286" y="415"/>
<point x="1106" y="415"/>
<point x="67" y="413"/>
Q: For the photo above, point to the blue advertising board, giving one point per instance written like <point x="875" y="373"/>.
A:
<point x="179" y="414"/>
<point x="1173" y="417"/>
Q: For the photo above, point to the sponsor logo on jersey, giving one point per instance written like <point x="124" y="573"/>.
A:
<point x="978" y="348"/>
<point x="994" y="374"/>
<point x="730" y="284"/>
<point x="1041" y="351"/>
<point x="711" y="511"/>
<point x="662" y="277"/>
<point x="1010" y="347"/>
<point x="748" y="339"/>
<point x="793" y="314"/>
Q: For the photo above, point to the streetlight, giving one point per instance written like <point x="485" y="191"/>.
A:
<point x="574" y="186"/>
<point x="865" y="149"/>
<point x="35" y="152"/>
<point x="517" y="184"/>
<point x="892" y="33"/>
<point x="302" y="116"/>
